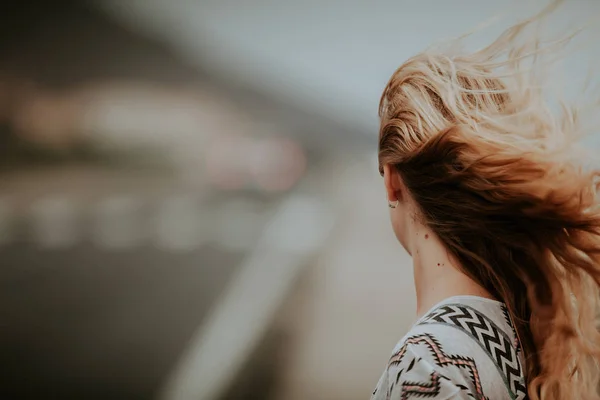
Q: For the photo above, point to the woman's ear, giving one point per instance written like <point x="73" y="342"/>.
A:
<point x="393" y="183"/>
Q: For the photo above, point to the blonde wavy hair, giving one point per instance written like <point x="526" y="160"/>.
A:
<point x="496" y="175"/>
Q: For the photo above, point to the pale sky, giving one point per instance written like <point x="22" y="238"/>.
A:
<point x="332" y="56"/>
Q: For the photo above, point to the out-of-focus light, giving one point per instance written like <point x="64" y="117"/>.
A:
<point x="179" y="225"/>
<point x="47" y="119"/>
<point x="271" y="164"/>
<point x="238" y="224"/>
<point x="301" y="226"/>
<point x="54" y="222"/>
<point x="225" y="162"/>
<point x="277" y="164"/>
<point x="118" y="224"/>
<point x="137" y="114"/>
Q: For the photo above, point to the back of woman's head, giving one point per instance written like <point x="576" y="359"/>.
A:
<point x="495" y="175"/>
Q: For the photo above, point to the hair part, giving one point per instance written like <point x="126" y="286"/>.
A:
<point x="495" y="175"/>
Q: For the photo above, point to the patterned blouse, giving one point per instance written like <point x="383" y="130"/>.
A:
<point x="464" y="348"/>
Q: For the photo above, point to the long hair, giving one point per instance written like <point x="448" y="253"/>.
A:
<point x="496" y="175"/>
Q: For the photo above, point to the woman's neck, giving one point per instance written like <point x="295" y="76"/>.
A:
<point x="437" y="275"/>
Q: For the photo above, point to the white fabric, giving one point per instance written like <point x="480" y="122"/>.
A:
<point x="464" y="348"/>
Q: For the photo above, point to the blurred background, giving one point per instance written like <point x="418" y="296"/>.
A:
<point x="190" y="206"/>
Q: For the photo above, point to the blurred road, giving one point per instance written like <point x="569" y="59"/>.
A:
<point x="86" y="323"/>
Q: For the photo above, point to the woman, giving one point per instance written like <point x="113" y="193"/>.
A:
<point x="502" y="223"/>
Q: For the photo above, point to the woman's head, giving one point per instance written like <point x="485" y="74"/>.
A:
<point x="469" y="148"/>
<point x="426" y="97"/>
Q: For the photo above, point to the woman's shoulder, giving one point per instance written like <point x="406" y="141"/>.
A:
<point x="411" y="371"/>
<point x="473" y="315"/>
<point x="462" y="348"/>
<point x="476" y="327"/>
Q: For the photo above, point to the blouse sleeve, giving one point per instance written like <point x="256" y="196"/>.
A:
<point x="409" y="375"/>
